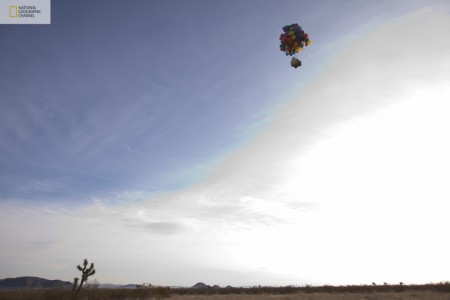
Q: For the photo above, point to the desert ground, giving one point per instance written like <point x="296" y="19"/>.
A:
<point x="116" y="295"/>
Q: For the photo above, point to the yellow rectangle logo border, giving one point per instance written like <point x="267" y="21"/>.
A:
<point x="13" y="9"/>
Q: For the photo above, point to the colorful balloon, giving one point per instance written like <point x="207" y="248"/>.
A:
<point x="292" y="41"/>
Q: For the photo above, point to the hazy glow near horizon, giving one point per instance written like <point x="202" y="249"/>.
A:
<point x="345" y="183"/>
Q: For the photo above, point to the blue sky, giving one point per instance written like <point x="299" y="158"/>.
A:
<point x="171" y="142"/>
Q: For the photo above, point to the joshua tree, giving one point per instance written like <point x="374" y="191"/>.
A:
<point x="85" y="273"/>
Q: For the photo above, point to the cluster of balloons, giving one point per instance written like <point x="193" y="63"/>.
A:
<point x="293" y="39"/>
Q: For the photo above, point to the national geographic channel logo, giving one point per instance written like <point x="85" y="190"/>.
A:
<point x="25" y="11"/>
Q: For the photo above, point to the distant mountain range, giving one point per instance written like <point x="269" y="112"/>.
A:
<point x="201" y="285"/>
<point x="29" y="282"/>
